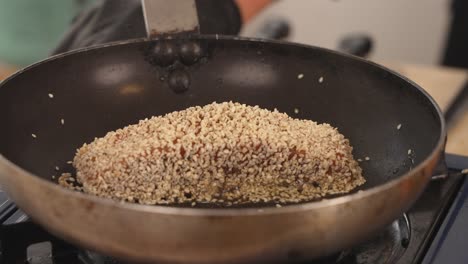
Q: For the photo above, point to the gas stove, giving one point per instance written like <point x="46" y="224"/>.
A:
<point x="429" y="233"/>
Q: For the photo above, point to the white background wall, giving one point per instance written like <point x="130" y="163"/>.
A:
<point x="403" y="30"/>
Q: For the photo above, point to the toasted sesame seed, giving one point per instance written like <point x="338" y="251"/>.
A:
<point x="359" y="160"/>
<point x="65" y="180"/>
<point x="367" y="158"/>
<point x="320" y="80"/>
<point x="62" y="121"/>
<point x="69" y="162"/>
<point x="57" y="168"/>
<point x="398" y="127"/>
<point x="225" y="153"/>
<point x="278" y="205"/>
<point x="296" y="110"/>
<point x="409" y="151"/>
<point x="51" y="95"/>
<point x="193" y="204"/>
<point x="33" y="135"/>
<point x="300" y="76"/>
<point x="53" y="177"/>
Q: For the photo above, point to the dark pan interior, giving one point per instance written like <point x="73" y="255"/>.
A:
<point x="99" y="90"/>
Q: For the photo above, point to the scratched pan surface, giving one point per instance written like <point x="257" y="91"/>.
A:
<point x="101" y="89"/>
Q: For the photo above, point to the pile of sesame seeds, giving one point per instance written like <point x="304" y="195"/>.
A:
<point x="224" y="153"/>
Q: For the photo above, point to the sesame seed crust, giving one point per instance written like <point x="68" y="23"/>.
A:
<point x="226" y="153"/>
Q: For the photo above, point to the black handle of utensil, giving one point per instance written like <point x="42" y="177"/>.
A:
<point x="454" y="107"/>
<point x="457" y="162"/>
<point x="452" y="161"/>
<point x="449" y="160"/>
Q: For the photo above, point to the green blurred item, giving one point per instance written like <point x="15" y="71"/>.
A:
<point x="30" y="29"/>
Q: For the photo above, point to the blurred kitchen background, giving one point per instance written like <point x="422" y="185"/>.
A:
<point x="412" y="31"/>
<point x="29" y="29"/>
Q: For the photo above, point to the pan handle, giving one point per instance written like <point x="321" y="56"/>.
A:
<point x="163" y="17"/>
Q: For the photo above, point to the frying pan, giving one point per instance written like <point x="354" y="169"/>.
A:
<point x="103" y="88"/>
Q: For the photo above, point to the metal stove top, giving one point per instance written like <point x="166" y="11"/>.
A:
<point x="422" y="235"/>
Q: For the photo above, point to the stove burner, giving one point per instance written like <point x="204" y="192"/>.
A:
<point x="89" y="257"/>
<point x="386" y="248"/>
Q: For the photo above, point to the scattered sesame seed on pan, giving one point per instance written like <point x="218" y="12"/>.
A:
<point x="409" y="151"/>
<point x="62" y="121"/>
<point x="57" y="168"/>
<point x="300" y="76"/>
<point x="225" y="153"/>
<point x="296" y="110"/>
<point x="398" y="127"/>
<point x="359" y="160"/>
<point x="320" y="80"/>
<point x="64" y="180"/>
<point x="33" y="135"/>
<point x="367" y="158"/>
<point x="51" y="96"/>
<point x="69" y="162"/>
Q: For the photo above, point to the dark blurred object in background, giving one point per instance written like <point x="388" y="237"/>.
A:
<point x="456" y="51"/>
<point x="274" y="28"/>
<point x="116" y="20"/>
<point x="357" y="44"/>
